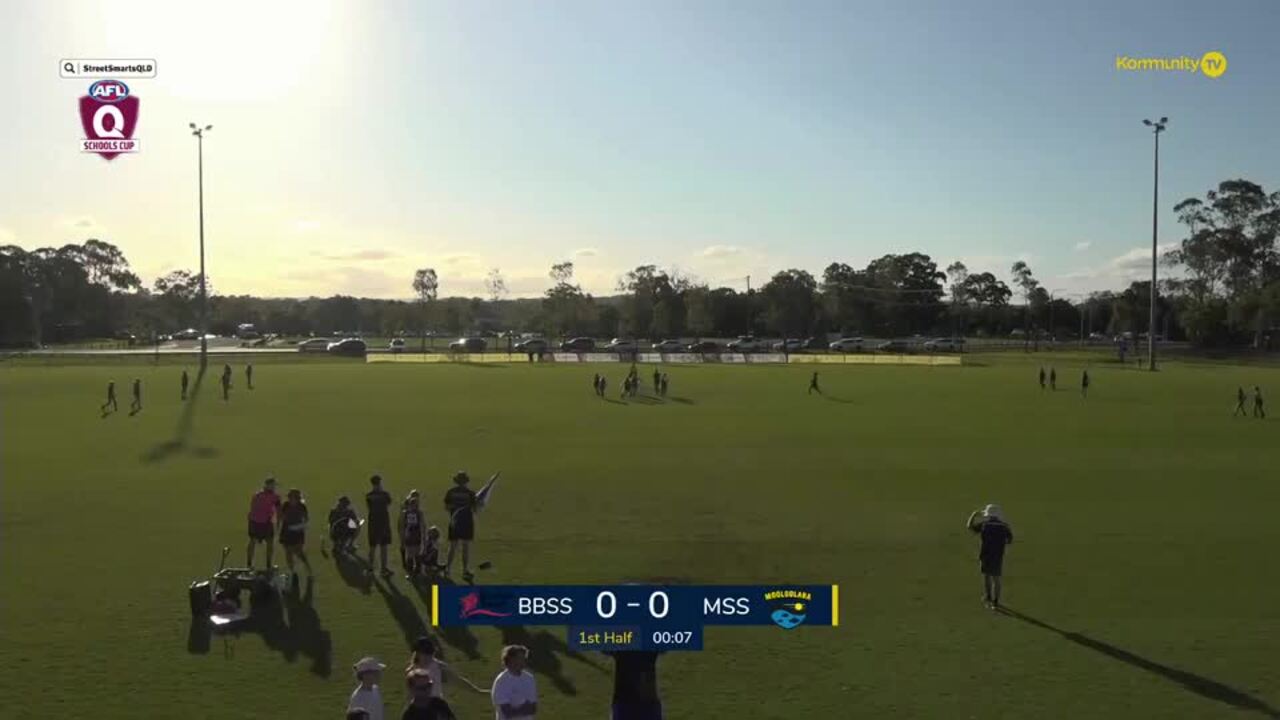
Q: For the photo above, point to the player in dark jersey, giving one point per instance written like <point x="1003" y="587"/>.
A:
<point x="344" y="525"/>
<point x="248" y="375"/>
<point x="186" y="380"/>
<point x="1240" y="403"/>
<point x="1258" y="412"/>
<point x="996" y="534"/>
<point x="412" y="528"/>
<point x="1053" y="378"/>
<point x="595" y="385"/>
<point x="378" y="502"/>
<point x="136" y="405"/>
<point x="226" y="382"/>
<point x="1041" y="378"/>
<point x="635" y="685"/>
<point x="460" y="504"/>
<point x="604" y="385"/>
<point x="663" y="385"/>
<point x="111" y="398"/>
<point x="813" y="385"/>
<point x="1084" y="384"/>
<point x="293" y="530"/>
<point x="657" y="382"/>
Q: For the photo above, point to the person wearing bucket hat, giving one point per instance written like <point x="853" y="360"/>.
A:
<point x="989" y="523"/>
<point x="368" y="695"/>
<point x="264" y="506"/>
<point x="460" y="504"/>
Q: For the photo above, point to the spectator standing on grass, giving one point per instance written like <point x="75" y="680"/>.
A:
<point x="1258" y="412"/>
<point x="423" y="705"/>
<point x="1041" y="378"/>
<point x="424" y="658"/>
<point x="136" y="406"/>
<point x="515" y="693"/>
<point x="186" y="380"/>
<point x="996" y="535"/>
<point x="1240" y="403"/>
<point x="657" y="381"/>
<point x="111" y="397"/>
<point x="293" y="530"/>
<point x="248" y="375"/>
<point x="635" y="686"/>
<point x="368" y="695"/>
<point x="813" y="384"/>
<point x="1084" y="384"/>
<point x="378" y="521"/>
<point x="1053" y="378"/>
<point x="226" y="382"/>
<point x="461" y="504"/>
<point x="604" y="385"/>
<point x="664" y="385"/>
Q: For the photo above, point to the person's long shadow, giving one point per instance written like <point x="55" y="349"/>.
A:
<point x="543" y="650"/>
<point x="1198" y="684"/>
<point x="458" y="637"/>
<point x="833" y="398"/>
<point x="353" y="571"/>
<point x="182" y="434"/>
<point x="300" y="634"/>
<point x="681" y="400"/>
<point x="403" y="610"/>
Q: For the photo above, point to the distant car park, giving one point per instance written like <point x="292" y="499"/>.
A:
<point x="668" y="346"/>
<point x="532" y="345"/>
<point x="746" y="344"/>
<point x="704" y="346"/>
<point x="847" y="344"/>
<point x="348" y="346"/>
<point x="619" y="345"/>
<point x="789" y="345"/>
<point x="894" y="346"/>
<point x="396" y="345"/>
<point x="945" y="345"/>
<point x="578" y="344"/>
<point x="317" y="344"/>
<point x="468" y="345"/>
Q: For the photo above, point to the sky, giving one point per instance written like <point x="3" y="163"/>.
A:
<point x="355" y="142"/>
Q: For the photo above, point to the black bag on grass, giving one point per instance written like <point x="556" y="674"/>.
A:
<point x="201" y="596"/>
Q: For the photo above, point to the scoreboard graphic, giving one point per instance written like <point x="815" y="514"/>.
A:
<point x="637" y="617"/>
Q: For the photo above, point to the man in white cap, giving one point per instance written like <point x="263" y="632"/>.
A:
<point x="989" y="523"/>
<point x="368" y="696"/>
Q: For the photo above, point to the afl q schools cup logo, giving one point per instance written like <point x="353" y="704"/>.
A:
<point x="109" y="115"/>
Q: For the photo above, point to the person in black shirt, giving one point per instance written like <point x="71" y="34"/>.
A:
<point x="1053" y="378"/>
<point x="657" y="381"/>
<point x="1258" y="412"/>
<point x="185" y="382"/>
<point x="1240" y="403"/>
<point x="136" y="407"/>
<point x="460" y="504"/>
<point x="635" y="686"/>
<point x="378" y="502"/>
<point x="248" y="375"/>
<point x="412" y="529"/>
<point x="813" y="385"/>
<point x="1041" y="378"/>
<point x="996" y="534"/>
<point x="343" y="525"/>
<point x="1084" y="384"/>
<point x="293" y="530"/>
<point x="111" y="398"/>
<point x="422" y="705"/>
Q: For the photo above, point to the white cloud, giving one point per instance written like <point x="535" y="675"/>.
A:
<point x="588" y="252"/>
<point x="370" y="255"/>
<point x="457" y="260"/>
<point x="720" y="252"/>
<point x="82" y="225"/>
<point x="1083" y="245"/>
<point x="1120" y="270"/>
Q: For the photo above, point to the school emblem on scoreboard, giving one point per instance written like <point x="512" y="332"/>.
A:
<point x="482" y="604"/>
<point x="790" y="607"/>
<point x="109" y="116"/>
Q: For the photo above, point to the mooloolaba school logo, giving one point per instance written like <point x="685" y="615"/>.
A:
<point x="475" y="604"/>
<point x="790" y="607"/>
<point x="109" y="115"/>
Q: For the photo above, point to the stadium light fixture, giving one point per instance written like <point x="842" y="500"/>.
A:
<point x="204" y="294"/>
<point x="1156" y="128"/>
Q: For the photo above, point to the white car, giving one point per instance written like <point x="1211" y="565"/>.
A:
<point x="397" y="345"/>
<point x="532" y="345"/>
<point x="318" y="344"/>
<point x="745" y="344"/>
<point x="668" y="346"/>
<point x="848" y="344"/>
<point x="789" y="345"/>
<point x="619" y="345"/>
<point x="944" y="345"/>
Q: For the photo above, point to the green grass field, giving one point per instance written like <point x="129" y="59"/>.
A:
<point x="1143" y="574"/>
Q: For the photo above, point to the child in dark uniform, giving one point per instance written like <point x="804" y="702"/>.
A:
<point x="293" y="530"/>
<point x="996" y="534"/>
<point x="343" y="525"/>
<point x="412" y="526"/>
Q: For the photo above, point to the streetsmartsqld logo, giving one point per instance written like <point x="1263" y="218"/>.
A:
<point x="1211" y="64"/>
<point x="109" y="115"/>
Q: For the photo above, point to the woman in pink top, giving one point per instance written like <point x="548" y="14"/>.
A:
<point x="263" y="509"/>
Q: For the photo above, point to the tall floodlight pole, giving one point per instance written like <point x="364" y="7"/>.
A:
<point x="204" y="295"/>
<point x="1156" y="128"/>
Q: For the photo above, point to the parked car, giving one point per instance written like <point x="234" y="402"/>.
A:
<point x="397" y="345"/>
<point x="746" y="344"/>
<point x="788" y="345"/>
<point x="668" y="346"/>
<point x="317" y="344"/>
<point x="894" y="346"/>
<point x="578" y="344"/>
<point x="188" y="334"/>
<point x="532" y="345"/>
<point x="815" y="343"/>
<point x="618" y="345"/>
<point x="945" y="345"/>
<point x="348" y="346"/>
<point x="848" y="344"/>
<point x="704" y="346"/>
<point x="468" y="345"/>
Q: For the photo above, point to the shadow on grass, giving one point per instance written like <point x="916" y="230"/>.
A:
<point x="543" y="650"/>
<point x="354" y="571"/>
<point x="458" y="637"/>
<point x="834" y="399"/>
<point x="1198" y="684"/>
<point x="301" y="634"/>
<point x="682" y="400"/>
<point x="182" y="434"/>
<point x="405" y="613"/>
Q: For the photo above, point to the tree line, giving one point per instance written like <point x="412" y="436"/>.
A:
<point x="1226" y="292"/>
